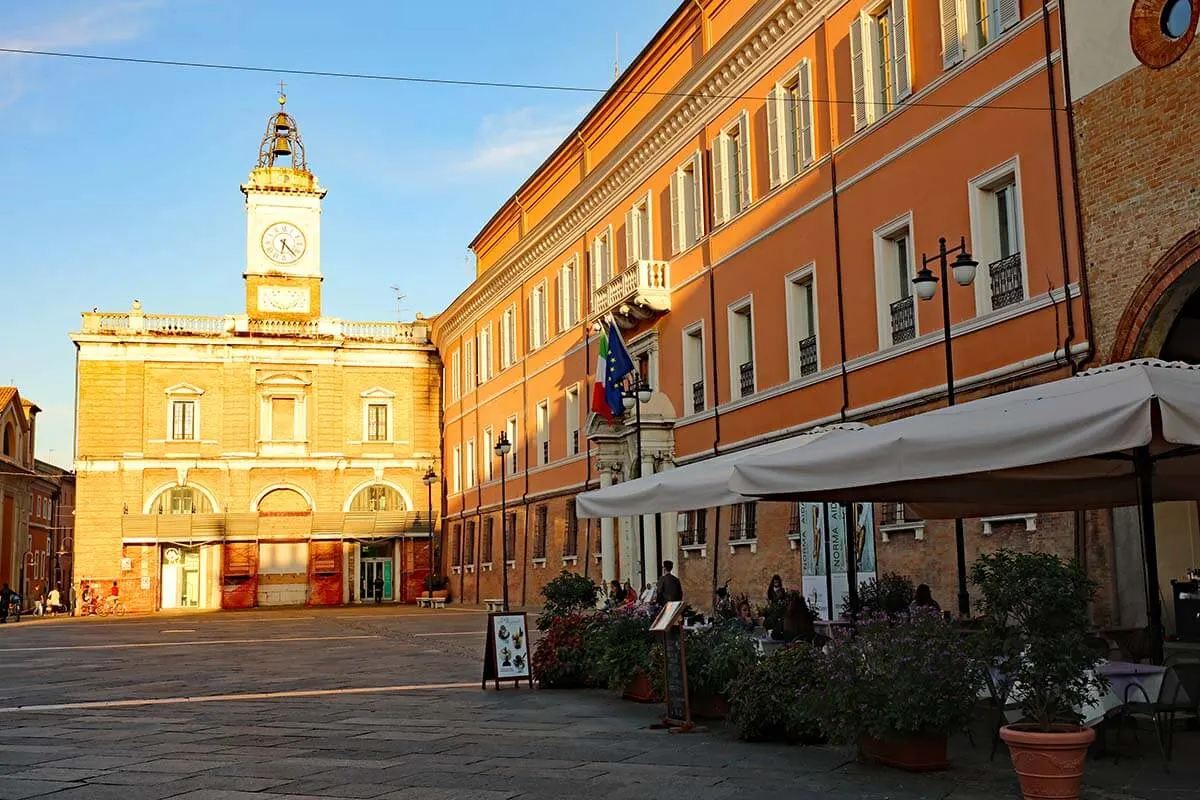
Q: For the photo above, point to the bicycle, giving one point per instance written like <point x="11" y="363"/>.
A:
<point x="113" y="607"/>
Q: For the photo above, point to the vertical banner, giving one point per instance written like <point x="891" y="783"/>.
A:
<point x="853" y="538"/>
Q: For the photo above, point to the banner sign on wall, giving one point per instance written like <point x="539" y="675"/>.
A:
<point x="824" y="558"/>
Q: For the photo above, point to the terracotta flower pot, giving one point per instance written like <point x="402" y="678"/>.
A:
<point x="1048" y="764"/>
<point x="918" y="752"/>
<point x="638" y="689"/>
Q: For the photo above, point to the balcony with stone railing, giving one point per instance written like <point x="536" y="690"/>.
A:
<point x="640" y="292"/>
<point x="135" y="322"/>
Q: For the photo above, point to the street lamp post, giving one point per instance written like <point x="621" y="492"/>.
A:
<point x="926" y="284"/>
<point x="503" y="448"/>
<point x="429" y="480"/>
<point x="632" y="398"/>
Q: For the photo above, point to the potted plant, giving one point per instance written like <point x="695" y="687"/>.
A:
<point x="565" y="657"/>
<point x="888" y="594"/>
<point x="624" y="652"/>
<point x="566" y="594"/>
<point x="716" y="657"/>
<point x="899" y="687"/>
<point x="1036" y="624"/>
<point x="437" y="587"/>
<point x="780" y="697"/>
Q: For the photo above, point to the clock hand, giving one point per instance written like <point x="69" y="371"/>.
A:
<point x="283" y="245"/>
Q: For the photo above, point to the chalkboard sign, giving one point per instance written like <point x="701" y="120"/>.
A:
<point x="679" y="712"/>
<point x="506" y="652"/>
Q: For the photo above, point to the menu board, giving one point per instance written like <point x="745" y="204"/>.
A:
<point x="678" y="710"/>
<point x="506" y="656"/>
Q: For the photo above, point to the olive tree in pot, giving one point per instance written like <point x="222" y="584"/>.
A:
<point x="1035" y="636"/>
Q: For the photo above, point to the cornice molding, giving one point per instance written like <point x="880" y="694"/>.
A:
<point x="590" y="199"/>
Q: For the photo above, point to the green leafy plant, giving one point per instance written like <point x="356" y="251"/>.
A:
<point x="716" y="657"/>
<point x="566" y="594"/>
<point x="564" y="657"/>
<point x="1036" y="625"/>
<point x="908" y="673"/>
<point x="888" y="594"/>
<point x="623" y="645"/>
<point x="778" y="697"/>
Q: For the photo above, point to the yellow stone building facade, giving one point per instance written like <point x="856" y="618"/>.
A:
<point x="271" y="457"/>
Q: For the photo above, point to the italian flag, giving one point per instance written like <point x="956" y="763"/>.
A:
<point x="599" y="401"/>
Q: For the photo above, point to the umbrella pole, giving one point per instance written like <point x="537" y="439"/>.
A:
<point x="1144" y="469"/>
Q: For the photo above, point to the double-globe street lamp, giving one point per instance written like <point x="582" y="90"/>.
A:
<point x="429" y="480"/>
<point x="503" y="448"/>
<point x="637" y="393"/>
<point x="925" y="283"/>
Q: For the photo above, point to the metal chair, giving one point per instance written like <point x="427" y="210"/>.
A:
<point x="1001" y="705"/>
<point x="1178" y="697"/>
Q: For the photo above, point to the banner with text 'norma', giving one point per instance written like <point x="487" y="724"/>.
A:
<point x="825" y="545"/>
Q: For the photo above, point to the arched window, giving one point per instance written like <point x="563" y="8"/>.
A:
<point x="181" y="500"/>
<point x="10" y="440"/>
<point x="378" y="497"/>
<point x="283" y="500"/>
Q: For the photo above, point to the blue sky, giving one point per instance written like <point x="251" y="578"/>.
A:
<point x="121" y="181"/>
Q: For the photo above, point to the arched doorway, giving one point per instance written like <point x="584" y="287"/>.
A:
<point x="284" y="531"/>
<point x="385" y="560"/>
<point x="184" y="566"/>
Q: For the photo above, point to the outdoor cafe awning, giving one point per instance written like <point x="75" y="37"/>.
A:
<point x="702" y="484"/>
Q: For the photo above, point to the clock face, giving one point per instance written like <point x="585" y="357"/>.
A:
<point x="283" y="243"/>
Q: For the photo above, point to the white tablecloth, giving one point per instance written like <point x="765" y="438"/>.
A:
<point x="1127" y="682"/>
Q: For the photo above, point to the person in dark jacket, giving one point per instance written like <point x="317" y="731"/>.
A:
<point x="669" y="587"/>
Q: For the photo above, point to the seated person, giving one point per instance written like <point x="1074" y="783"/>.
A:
<point x="797" y="622"/>
<point x="924" y="598"/>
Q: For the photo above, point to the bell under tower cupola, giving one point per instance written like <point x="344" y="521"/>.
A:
<point x="283" y="225"/>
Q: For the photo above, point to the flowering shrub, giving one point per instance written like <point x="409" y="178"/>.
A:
<point x="564" y="657"/>
<point x="716" y="657"/>
<point x="781" y="697"/>
<point x="888" y="594"/>
<point x="623" y="645"/>
<point x="566" y="594"/>
<point x="903" y="674"/>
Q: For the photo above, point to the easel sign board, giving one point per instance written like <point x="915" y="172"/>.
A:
<point x="506" y="654"/>
<point x="667" y="617"/>
<point x="679" y="711"/>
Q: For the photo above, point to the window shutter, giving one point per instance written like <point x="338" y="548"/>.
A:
<point x="952" y="40"/>
<point x="744" y="158"/>
<point x="718" y="178"/>
<point x="630" y="237"/>
<point x="900" y="50"/>
<point x="595" y="272"/>
<point x="806" y="113"/>
<point x="858" y="76"/>
<point x="774" y="114"/>
<point x="1010" y="13"/>
<point x="647" y="230"/>
<point x="573" y="292"/>
<point x="676" y="222"/>
<point x="698" y="190"/>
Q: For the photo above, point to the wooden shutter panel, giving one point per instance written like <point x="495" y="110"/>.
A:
<point x="806" y="113"/>
<point x="1010" y="13"/>
<point x="774" y="116"/>
<point x="858" y="77"/>
<point x="952" y="40"/>
<point x="744" y="158"/>
<point x="698" y="189"/>
<point x="647" y="229"/>
<point x="900" y="49"/>
<point x="718" y="178"/>
<point x="630" y="237"/>
<point x="676" y="222"/>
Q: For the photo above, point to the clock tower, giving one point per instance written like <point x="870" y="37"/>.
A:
<point x="283" y="227"/>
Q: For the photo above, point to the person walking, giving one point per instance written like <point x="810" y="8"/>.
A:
<point x="377" y="586"/>
<point x="54" y="601"/>
<point x="669" y="588"/>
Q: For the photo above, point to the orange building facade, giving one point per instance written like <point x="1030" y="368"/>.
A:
<point x="750" y="203"/>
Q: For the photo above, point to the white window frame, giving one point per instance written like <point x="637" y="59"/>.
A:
<point x="962" y="27"/>
<point x="735" y="374"/>
<point x="687" y="218"/>
<point x="871" y="102"/>
<point x="790" y="144"/>
<point x="512" y="428"/>
<point x="728" y="183"/>
<point x="542" y="427"/>
<point x="469" y="365"/>
<point x="284" y="386"/>
<point x="885" y="263"/>
<point x="571" y="398"/>
<point x="539" y="333"/>
<point x="639" y="231"/>
<point x="183" y="393"/>
<point x="377" y="396"/>
<point x="469" y="457"/>
<point x="806" y="274"/>
<point x="602" y="259"/>
<point x="488" y="452"/>
<point x="484" y="349"/>
<point x="568" y="294"/>
<point x="689" y="372"/>
<point x="456" y="470"/>
<point x="455" y="380"/>
<point x="984" y="237"/>
<point x="508" y="337"/>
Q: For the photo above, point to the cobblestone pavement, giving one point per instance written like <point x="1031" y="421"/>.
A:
<point x="385" y="703"/>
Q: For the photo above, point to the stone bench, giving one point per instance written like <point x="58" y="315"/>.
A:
<point x="494" y="605"/>
<point x="431" y="602"/>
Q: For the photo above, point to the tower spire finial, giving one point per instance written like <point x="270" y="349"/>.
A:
<point x="282" y="93"/>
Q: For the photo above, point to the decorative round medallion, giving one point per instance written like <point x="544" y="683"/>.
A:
<point x="173" y="556"/>
<point x="1162" y="30"/>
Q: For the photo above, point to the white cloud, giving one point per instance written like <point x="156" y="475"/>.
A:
<point x="80" y="26"/>
<point x="517" y="141"/>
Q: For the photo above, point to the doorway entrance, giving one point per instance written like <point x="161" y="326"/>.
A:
<point x="180" y="577"/>
<point x="375" y="565"/>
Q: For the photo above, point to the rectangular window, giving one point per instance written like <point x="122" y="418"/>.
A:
<point x="377" y="422"/>
<point x="456" y="545"/>
<point x="802" y="323"/>
<point x="514" y="440"/>
<point x="540" y="524"/>
<point x="693" y="528"/>
<point x="602" y="263"/>
<point x="489" y="453"/>
<point x="455" y="380"/>
<point x="893" y="273"/>
<point x="879" y="70"/>
<point x="510" y="537"/>
<point x="183" y="501"/>
<point x="543" y="432"/>
<point x="789" y="125"/>
<point x="183" y="420"/>
<point x="731" y="170"/>
<point x="469" y="366"/>
<point x="743" y="522"/>
<point x="283" y="419"/>
<point x="571" y="412"/>
<point x="456" y="470"/>
<point x="971" y="25"/>
<point x="537" y="317"/>
<point x="470" y="548"/>
<point x="485" y="354"/>
<point x="488" y="535"/>
<point x="568" y="295"/>
<point x="638" y="241"/>
<point x="996" y="234"/>
<point x="741" y="348"/>
<point x="508" y="337"/>
<point x="693" y="369"/>
<point x="470" y="463"/>
<point x="687" y="204"/>
<point x="571" y="531"/>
